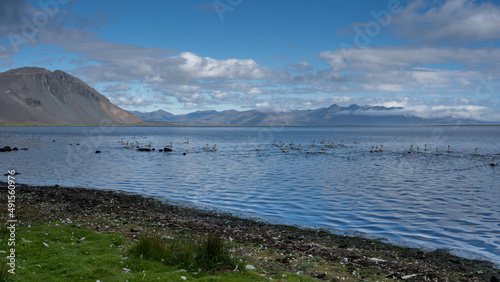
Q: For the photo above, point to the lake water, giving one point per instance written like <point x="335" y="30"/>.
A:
<point x="450" y="201"/>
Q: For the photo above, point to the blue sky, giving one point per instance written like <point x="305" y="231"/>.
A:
<point x="433" y="58"/>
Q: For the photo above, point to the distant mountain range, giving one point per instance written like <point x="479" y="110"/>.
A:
<point x="38" y="96"/>
<point x="333" y="115"/>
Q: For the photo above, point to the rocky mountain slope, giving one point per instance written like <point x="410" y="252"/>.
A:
<point x="38" y="96"/>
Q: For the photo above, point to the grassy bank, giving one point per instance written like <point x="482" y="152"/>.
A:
<point x="90" y="235"/>
<point x="48" y="252"/>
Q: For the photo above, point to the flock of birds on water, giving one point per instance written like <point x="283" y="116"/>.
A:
<point x="167" y="148"/>
<point x="292" y="146"/>
<point x="281" y="145"/>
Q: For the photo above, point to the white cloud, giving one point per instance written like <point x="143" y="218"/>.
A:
<point x="254" y="91"/>
<point x="452" y="20"/>
<point x="464" y="112"/>
<point x="194" y="100"/>
<point x="11" y="14"/>
<point x="384" y="88"/>
<point x="408" y="57"/>
<point x="220" y="95"/>
<point x="195" y="67"/>
<point x="117" y="88"/>
<point x="112" y="62"/>
<point x="4" y="53"/>
<point x="462" y="108"/>
<point x="123" y="100"/>
<point x="262" y="105"/>
<point x="300" y="67"/>
<point x="405" y="68"/>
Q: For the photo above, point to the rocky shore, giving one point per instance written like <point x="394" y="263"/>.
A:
<point x="134" y="216"/>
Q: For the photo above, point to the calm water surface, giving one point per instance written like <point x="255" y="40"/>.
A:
<point x="449" y="201"/>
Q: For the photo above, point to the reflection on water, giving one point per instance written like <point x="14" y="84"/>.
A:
<point x="448" y="201"/>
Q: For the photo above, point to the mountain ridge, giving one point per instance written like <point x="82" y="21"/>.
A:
<point x="332" y="115"/>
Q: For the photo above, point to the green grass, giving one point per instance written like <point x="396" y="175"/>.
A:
<point x="69" y="253"/>
<point x="208" y="254"/>
<point x="3" y="270"/>
<point x="213" y="254"/>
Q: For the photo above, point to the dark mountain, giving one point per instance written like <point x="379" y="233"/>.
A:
<point x="36" y="95"/>
<point x="335" y="108"/>
<point x="352" y="108"/>
<point x="332" y="115"/>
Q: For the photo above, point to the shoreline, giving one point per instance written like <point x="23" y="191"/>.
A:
<point x="132" y="215"/>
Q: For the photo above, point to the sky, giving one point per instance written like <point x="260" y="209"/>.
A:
<point x="434" y="58"/>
